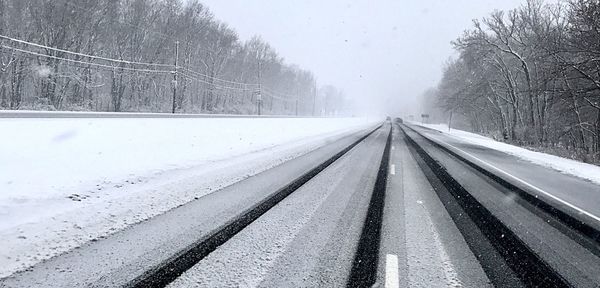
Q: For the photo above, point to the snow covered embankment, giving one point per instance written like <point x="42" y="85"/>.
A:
<point x="579" y="169"/>
<point x="64" y="182"/>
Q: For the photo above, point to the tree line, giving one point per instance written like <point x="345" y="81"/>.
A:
<point x="529" y="76"/>
<point x="119" y="55"/>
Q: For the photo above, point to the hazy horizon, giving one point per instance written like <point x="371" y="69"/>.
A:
<point x="383" y="56"/>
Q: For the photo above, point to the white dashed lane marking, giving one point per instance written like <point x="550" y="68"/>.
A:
<point x="391" y="271"/>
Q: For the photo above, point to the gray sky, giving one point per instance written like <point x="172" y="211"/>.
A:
<point x="382" y="53"/>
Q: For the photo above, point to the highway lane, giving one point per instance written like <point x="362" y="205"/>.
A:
<point x="129" y="254"/>
<point x="429" y="238"/>
<point x="418" y="232"/>
<point x="561" y="251"/>
<point x="307" y="240"/>
<point x="576" y="191"/>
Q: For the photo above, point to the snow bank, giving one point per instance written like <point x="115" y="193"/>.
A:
<point x="64" y="182"/>
<point x="49" y="158"/>
<point x="568" y="166"/>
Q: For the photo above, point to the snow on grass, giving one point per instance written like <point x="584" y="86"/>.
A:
<point x="568" y="166"/>
<point x="64" y="182"/>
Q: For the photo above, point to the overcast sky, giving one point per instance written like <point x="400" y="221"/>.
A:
<point x="383" y="53"/>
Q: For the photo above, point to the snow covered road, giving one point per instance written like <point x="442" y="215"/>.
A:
<point x="531" y="241"/>
<point x="66" y="181"/>
<point x="309" y="239"/>
<point x="385" y="207"/>
<point x="566" y="183"/>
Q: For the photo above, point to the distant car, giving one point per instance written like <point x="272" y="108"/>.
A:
<point x="398" y="120"/>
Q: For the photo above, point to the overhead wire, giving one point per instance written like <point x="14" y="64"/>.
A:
<point x="279" y="96"/>
<point x="196" y="76"/>
<point x="218" y="86"/>
<point x="113" y="61"/>
<point x="84" y="63"/>
<point x="81" y="54"/>
<point x="160" y="34"/>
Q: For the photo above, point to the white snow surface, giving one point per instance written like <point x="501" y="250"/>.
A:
<point x="64" y="182"/>
<point x="567" y="166"/>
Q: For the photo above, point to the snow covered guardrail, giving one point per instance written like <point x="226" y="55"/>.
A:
<point x="75" y="114"/>
<point x="571" y="215"/>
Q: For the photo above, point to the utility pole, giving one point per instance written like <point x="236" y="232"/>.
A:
<point x="259" y="93"/>
<point x="314" y="98"/>
<point x="296" y="105"/>
<point x="175" y="76"/>
<point x="450" y="120"/>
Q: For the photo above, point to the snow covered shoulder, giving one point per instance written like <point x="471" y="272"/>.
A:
<point x="66" y="181"/>
<point x="567" y="166"/>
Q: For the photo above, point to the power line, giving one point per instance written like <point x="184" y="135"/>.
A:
<point x="214" y="84"/>
<point x="84" y="63"/>
<point x="81" y="54"/>
<point x="226" y="84"/>
<point x="198" y="74"/>
<point x="274" y="96"/>
<point x="271" y="93"/>
<point x="114" y="61"/>
<point x="160" y="34"/>
<point x="281" y="96"/>
<point x="218" y="86"/>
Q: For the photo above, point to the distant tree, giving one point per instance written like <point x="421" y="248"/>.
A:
<point x="217" y="73"/>
<point x="530" y="75"/>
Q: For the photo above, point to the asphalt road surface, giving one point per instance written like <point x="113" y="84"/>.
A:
<point x="385" y="207"/>
<point x="576" y="191"/>
<point x="552" y="249"/>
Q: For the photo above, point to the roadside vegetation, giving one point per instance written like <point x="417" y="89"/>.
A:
<point x="129" y="55"/>
<point x="528" y="76"/>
